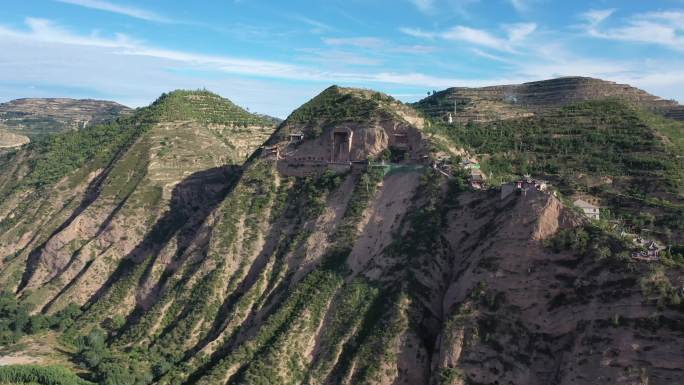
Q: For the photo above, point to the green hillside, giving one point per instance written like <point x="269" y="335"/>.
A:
<point x="39" y="375"/>
<point x="53" y="157"/>
<point x="630" y="159"/>
<point x="205" y="107"/>
<point x="338" y="104"/>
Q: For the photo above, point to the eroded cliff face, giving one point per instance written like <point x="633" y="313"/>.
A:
<point x="342" y="126"/>
<point x="62" y="243"/>
<point x="385" y="279"/>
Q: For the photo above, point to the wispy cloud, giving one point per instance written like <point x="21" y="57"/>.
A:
<point x="490" y="56"/>
<point x="358" y="42"/>
<point x="595" y="17"/>
<point x="336" y="58"/>
<point x="417" y="32"/>
<point x="424" y="6"/>
<point x="519" y="5"/>
<point x="524" y="6"/>
<point x="376" y="45"/>
<point x="45" y="31"/>
<point x="433" y="7"/>
<point x="665" y="28"/>
<point x="515" y="34"/>
<point x="317" y="27"/>
<point x="130" y="11"/>
<point x="519" y="31"/>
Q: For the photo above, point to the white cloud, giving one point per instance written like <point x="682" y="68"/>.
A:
<point x="415" y="32"/>
<point x="423" y="5"/>
<point x="519" y="5"/>
<point x="135" y="72"/>
<point x="107" y="6"/>
<point x="597" y="16"/>
<point x="47" y="32"/>
<point x="515" y="34"/>
<point x="490" y="56"/>
<point x="475" y="36"/>
<point x="655" y="28"/>
<point x="336" y="58"/>
<point x="318" y="27"/>
<point x="359" y="42"/>
<point x="519" y="31"/>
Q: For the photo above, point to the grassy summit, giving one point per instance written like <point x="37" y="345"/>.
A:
<point x="53" y="157"/>
<point x="205" y="107"/>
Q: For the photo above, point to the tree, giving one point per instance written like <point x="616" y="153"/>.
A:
<point x="37" y="323"/>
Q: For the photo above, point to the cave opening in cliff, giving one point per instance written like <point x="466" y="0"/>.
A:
<point x="341" y="146"/>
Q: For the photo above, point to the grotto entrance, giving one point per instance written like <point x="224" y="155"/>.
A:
<point x="341" y="146"/>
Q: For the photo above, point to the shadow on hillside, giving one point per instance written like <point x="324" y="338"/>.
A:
<point x="191" y="202"/>
<point x="91" y="193"/>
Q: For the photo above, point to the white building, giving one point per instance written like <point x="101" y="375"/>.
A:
<point x="589" y="210"/>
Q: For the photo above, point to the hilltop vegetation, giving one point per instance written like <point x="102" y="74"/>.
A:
<point x="53" y="157"/>
<point x="337" y="104"/>
<point x="204" y="107"/>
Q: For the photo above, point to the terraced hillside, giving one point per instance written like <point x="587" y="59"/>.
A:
<point x="76" y="204"/>
<point x="617" y="150"/>
<point x="34" y="117"/>
<point x="518" y="100"/>
<point x="350" y="273"/>
<point x="10" y="140"/>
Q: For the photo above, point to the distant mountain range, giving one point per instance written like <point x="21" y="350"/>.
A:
<point x="24" y="119"/>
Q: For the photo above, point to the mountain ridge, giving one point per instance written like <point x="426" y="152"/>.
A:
<point x="33" y="117"/>
<point x="537" y="96"/>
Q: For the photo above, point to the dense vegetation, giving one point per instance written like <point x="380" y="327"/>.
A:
<point x="16" y="320"/>
<point x="601" y="148"/>
<point x="39" y="375"/>
<point x="337" y="105"/>
<point x="206" y="107"/>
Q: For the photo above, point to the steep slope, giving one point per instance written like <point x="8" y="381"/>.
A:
<point x="77" y="204"/>
<point x="337" y="254"/>
<point x="34" y="116"/>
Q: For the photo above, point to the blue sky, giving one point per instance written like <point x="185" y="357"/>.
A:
<point x="272" y="56"/>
